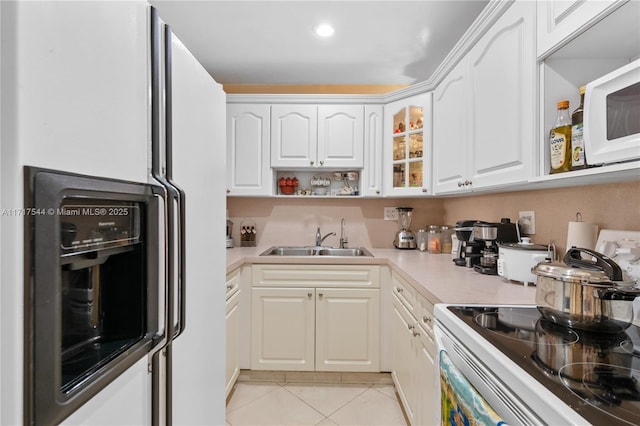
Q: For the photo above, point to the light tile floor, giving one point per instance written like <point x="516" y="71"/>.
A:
<point x="322" y="404"/>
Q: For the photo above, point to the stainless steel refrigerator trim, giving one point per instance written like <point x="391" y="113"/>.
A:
<point x="161" y="170"/>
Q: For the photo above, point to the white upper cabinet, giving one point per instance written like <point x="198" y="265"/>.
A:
<point x="451" y="150"/>
<point x="407" y="146"/>
<point x="372" y="170"/>
<point x="294" y="135"/>
<point x="317" y="136"/>
<point x="248" y="164"/>
<point x="503" y="87"/>
<point x="561" y="19"/>
<point x="484" y="109"/>
<point x="340" y="136"/>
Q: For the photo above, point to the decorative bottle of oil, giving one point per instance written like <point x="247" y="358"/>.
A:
<point x="560" y="140"/>
<point x="578" y="160"/>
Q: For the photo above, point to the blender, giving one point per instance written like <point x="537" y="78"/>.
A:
<point x="405" y="239"/>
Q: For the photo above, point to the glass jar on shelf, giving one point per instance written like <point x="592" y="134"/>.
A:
<point x="433" y="239"/>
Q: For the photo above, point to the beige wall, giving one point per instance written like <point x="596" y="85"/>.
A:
<point x="293" y="221"/>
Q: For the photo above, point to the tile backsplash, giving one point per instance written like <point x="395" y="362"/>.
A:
<point x="293" y="221"/>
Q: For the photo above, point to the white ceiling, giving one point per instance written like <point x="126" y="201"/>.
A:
<point x="271" y="42"/>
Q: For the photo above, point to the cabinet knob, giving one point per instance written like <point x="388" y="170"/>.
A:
<point x="399" y="289"/>
<point x="426" y="319"/>
<point x="311" y="162"/>
<point x="229" y="286"/>
<point x="467" y="182"/>
<point x="378" y="192"/>
<point x="460" y="184"/>
<point x="411" y="326"/>
<point x="322" y="163"/>
<point x="309" y="295"/>
<point x="228" y="191"/>
<point x="416" y="333"/>
<point x="424" y="189"/>
<point x="320" y="295"/>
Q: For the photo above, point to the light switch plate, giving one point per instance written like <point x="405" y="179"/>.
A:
<point x="527" y="222"/>
<point x="390" y="213"/>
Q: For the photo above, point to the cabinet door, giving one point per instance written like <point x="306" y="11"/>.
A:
<point x="233" y="341"/>
<point x="248" y="150"/>
<point x="282" y="329"/>
<point x="407" y="146"/>
<point x="560" y="19"/>
<point x="294" y="135"/>
<point x="501" y="76"/>
<point x="404" y="359"/>
<point x="347" y="329"/>
<point x="340" y="136"/>
<point x="450" y="131"/>
<point x="426" y="378"/>
<point x="372" y="171"/>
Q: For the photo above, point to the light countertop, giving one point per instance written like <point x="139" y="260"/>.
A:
<point x="433" y="275"/>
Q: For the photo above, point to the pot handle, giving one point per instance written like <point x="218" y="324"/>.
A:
<point x="613" y="293"/>
<point x="601" y="262"/>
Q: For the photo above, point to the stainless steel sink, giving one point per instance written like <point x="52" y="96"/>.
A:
<point x="316" y="251"/>
<point x="289" y="251"/>
<point x="343" y="252"/>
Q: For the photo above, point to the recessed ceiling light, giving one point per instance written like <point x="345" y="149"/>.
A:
<point x="324" y="30"/>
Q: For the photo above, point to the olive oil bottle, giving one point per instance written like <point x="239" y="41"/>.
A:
<point x="578" y="160"/>
<point x="560" y="140"/>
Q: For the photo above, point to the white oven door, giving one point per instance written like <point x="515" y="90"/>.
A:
<point x="470" y="393"/>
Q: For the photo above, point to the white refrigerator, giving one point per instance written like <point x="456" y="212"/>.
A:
<point x="77" y="95"/>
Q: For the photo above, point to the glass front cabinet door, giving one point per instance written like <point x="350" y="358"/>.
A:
<point x="407" y="146"/>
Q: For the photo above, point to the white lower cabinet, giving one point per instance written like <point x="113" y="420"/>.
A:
<point x="414" y="350"/>
<point x="233" y="331"/>
<point x="301" y="326"/>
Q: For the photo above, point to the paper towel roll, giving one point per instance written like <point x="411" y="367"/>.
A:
<point x="582" y="234"/>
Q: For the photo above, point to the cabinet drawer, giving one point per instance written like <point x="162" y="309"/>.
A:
<point x="233" y="283"/>
<point x="404" y="292"/>
<point x="424" y="313"/>
<point x="350" y="276"/>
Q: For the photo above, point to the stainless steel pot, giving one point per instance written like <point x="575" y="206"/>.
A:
<point x="584" y="294"/>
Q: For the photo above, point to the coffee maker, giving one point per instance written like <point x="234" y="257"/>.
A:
<point x="405" y="239"/>
<point x="490" y="235"/>
<point x="468" y="250"/>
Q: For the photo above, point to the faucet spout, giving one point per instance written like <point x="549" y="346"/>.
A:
<point x="320" y="239"/>
<point x="344" y="241"/>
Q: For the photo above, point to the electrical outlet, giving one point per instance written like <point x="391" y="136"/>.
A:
<point x="390" y="213"/>
<point x="527" y="222"/>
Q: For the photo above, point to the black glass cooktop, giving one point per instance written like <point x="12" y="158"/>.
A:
<point x="596" y="374"/>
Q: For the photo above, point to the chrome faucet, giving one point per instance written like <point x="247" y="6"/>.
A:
<point x="320" y="238"/>
<point x="344" y="241"/>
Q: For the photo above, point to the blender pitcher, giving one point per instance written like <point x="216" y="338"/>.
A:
<point x="405" y="239"/>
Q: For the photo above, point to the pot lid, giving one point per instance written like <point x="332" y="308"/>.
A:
<point x="578" y="275"/>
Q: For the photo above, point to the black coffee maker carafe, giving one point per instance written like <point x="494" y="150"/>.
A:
<point x="469" y="251"/>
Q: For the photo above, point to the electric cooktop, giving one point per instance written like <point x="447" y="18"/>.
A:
<point x="596" y="374"/>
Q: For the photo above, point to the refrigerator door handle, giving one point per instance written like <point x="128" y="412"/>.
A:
<point x="180" y="196"/>
<point x="162" y="338"/>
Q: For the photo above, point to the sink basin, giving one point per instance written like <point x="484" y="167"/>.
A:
<point x="316" y="251"/>
<point x="343" y="252"/>
<point x="289" y="251"/>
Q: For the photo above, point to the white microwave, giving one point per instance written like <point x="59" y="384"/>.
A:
<point x="612" y="116"/>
